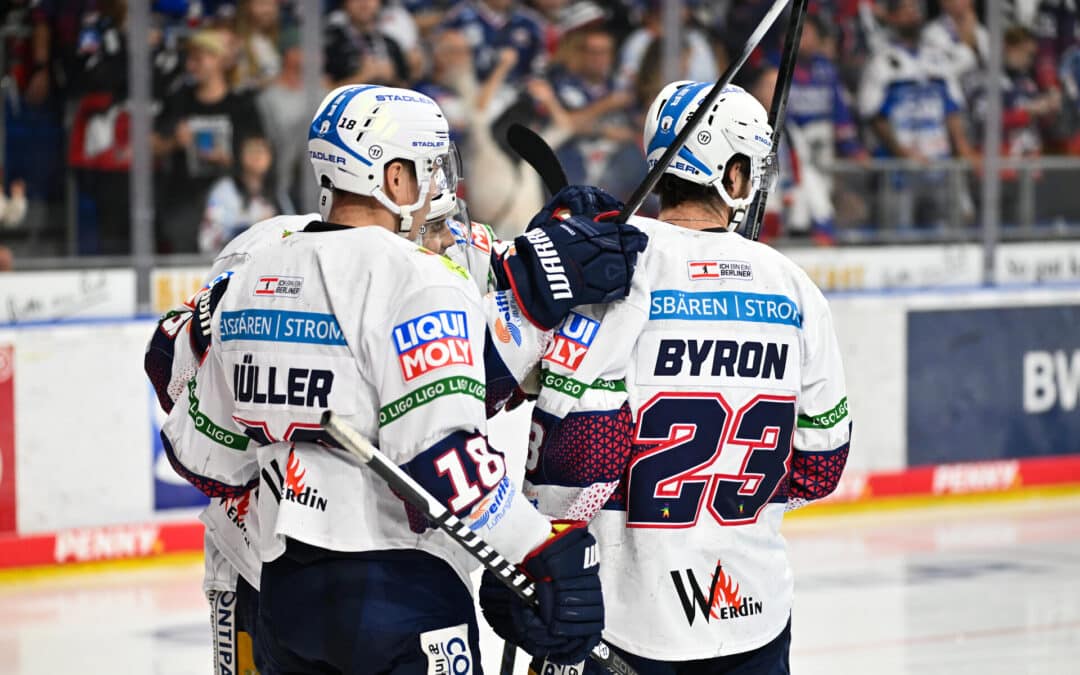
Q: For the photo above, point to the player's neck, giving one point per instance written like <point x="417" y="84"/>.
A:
<point x="362" y="215"/>
<point x="694" y="217"/>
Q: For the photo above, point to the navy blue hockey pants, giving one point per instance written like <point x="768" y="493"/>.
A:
<point x="768" y="659"/>
<point x="395" y="612"/>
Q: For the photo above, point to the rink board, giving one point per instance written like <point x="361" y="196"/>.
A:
<point x="82" y="477"/>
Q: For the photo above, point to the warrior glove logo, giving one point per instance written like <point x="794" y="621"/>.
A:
<point x="551" y="264"/>
<point x="432" y="341"/>
<point x="592" y="556"/>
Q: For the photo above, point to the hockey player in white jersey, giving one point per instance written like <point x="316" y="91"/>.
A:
<point x="736" y="389"/>
<point x="359" y="320"/>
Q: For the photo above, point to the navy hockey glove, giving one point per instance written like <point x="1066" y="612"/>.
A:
<point x="578" y="200"/>
<point x="569" y="262"/>
<point x="569" y="617"/>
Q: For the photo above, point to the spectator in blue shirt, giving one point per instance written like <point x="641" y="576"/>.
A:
<point x="491" y="25"/>
<point x="585" y="102"/>
<point x="915" y="110"/>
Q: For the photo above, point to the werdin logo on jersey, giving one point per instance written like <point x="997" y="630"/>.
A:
<point x="236" y="509"/>
<point x="279" y="287"/>
<point x="572" y="341"/>
<point x="551" y="264"/>
<point x="292" y="486"/>
<point x="722" y="602"/>
<point x="703" y="270"/>
<point x="432" y="341"/>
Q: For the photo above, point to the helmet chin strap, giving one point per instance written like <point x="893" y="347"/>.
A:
<point x="403" y="211"/>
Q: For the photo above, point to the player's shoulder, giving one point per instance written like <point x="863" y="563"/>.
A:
<point x="411" y="268"/>
<point x="265" y="232"/>
<point x="648" y="225"/>
<point x="809" y="295"/>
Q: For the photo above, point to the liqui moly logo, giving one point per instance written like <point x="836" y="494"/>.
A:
<point x="571" y="343"/>
<point x="432" y="341"/>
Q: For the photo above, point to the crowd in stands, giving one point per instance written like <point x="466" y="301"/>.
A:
<point x="901" y="79"/>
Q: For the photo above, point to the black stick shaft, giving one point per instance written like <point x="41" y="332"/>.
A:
<point x="404" y="485"/>
<point x="653" y="177"/>
<point x="506" y="666"/>
<point x="778" y="109"/>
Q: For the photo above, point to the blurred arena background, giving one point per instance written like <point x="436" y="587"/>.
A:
<point x="930" y="186"/>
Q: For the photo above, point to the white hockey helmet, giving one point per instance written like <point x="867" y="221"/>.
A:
<point x="359" y="129"/>
<point x="737" y="124"/>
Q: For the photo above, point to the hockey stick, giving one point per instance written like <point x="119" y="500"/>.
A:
<point x="538" y="154"/>
<point x="506" y="666"/>
<point x="778" y="109"/>
<point x="653" y="177"/>
<point x="404" y="485"/>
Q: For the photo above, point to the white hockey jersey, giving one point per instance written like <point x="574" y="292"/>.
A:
<point x="387" y="335"/>
<point x="231" y="523"/>
<point x="737" y="391"/>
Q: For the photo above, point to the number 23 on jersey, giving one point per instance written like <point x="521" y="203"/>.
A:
<point x="701" y="454"/>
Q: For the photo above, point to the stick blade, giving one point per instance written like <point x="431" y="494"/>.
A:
<point x="538" y="154"/>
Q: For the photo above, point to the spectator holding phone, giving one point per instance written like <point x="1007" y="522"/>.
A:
<point x="197" y="135"/>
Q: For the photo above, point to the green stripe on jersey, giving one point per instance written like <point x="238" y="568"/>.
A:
<point x="576" y="388"/>
<point x="457" y="384"/>
<point x="206" y="426"/>
<point x="827" y="419"/>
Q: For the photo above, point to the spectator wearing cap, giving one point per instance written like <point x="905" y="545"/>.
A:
<point x="358" y="51"/>
<point x="197" y="136"/>
<point x="964" y="41"/>
<point x="914" y="108"/>
<point x="701" y="65"/>
<point x="492" y="26"/>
